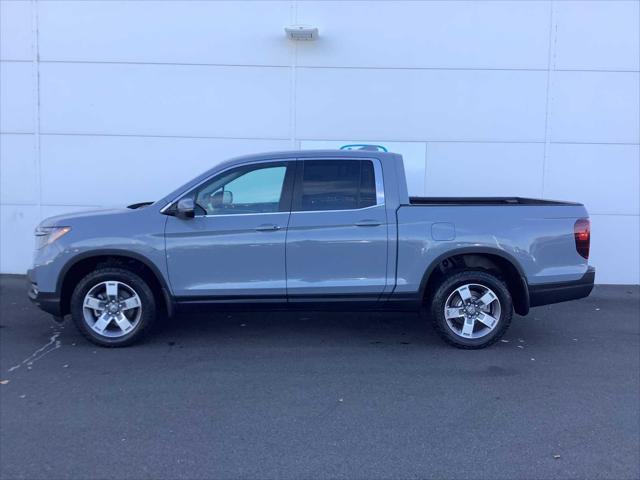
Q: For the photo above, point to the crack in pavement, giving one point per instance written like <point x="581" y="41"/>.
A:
<point x="50" y="346"/>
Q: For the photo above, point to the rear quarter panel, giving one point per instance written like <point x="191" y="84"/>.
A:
<point x="538" y="239"/>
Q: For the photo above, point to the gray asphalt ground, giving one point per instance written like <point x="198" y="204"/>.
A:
<point x="324" y="395"/>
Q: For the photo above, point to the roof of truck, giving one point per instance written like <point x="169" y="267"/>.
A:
<point x="328" y="153"/>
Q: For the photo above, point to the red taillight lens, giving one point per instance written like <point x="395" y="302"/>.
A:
<point x="582" y="234"/>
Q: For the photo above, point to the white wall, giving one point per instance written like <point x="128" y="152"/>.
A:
<point x="108" y="103"/>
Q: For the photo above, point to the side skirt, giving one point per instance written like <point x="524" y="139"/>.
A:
<point x="296" y="303"/>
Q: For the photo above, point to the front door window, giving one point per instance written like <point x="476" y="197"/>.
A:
<point x="253" y="189"/>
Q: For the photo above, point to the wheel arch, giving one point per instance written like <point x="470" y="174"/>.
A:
<point x="490" y="259"/>
<point x="81" y="264"/>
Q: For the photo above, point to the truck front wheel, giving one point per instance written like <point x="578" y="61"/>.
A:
<point x="113" y="307"/>
<point x="471" y="309"/>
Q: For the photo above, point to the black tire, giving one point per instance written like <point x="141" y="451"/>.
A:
<point x="143" y="323"/>
<point x="448" y="286"/>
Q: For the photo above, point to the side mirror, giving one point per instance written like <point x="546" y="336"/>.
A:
<point x="222" y="198"/>
<point x="186" y="208"/>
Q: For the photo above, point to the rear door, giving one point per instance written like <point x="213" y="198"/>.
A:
<point x="337" y="237"/>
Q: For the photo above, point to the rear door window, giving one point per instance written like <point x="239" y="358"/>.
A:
<point x="335" y="185"/>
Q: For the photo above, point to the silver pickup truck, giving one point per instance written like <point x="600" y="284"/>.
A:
<point x="313" y="230"/>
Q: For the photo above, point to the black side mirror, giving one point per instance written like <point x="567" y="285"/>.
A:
<point x="186" y="208"/>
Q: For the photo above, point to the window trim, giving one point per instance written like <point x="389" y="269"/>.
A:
<point x="378" y="180"/>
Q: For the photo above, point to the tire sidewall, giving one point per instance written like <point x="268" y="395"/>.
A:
<point x="132" y="280"/>
<point x="466" y="277"/>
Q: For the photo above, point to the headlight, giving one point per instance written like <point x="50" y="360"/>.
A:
<point x="48" y="235"/>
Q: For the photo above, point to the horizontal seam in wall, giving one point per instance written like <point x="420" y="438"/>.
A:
<point x="280" y="138"/>
<point x="632" y="144"/>
<point x="422" y="140"/>
<point x="11" y="204"/>
<point x="531" y="142"/>
<point x="592" y="214"/>
<point x="416" y="140"/>
<point x="134" y="135"/>
<point x="507" y="69"/>
<point x="329" y="67"/>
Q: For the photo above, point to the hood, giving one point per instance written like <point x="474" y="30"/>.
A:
<point x="68" y="219"/>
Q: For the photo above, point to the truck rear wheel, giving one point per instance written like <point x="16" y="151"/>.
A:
<point x="113" y="307"/>
<point x="471" y="309"/>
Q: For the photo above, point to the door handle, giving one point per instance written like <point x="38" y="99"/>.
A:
<point x="368" y="223"/>
<point x="267" y="227"/>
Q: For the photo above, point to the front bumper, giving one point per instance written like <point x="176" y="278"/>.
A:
<point x="49" y="302"/>
<point x="547" y="293"/>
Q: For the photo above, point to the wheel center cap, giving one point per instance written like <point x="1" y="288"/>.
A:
<point x="471" y="309"/>
<point x="113" y="308"/>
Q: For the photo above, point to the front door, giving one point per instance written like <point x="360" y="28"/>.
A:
<point x="234" y="247"/>
<point x="337" y="238"/>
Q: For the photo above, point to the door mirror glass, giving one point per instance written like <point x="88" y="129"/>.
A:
<point x="186" y="208"/>
<point x="221" y="198"/>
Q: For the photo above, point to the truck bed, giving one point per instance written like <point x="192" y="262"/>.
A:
<point x="485" y="201"/>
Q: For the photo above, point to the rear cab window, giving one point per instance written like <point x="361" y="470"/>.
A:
<point x="336" y="185"/>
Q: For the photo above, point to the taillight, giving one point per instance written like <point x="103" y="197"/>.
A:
<point x="582" y="234"/>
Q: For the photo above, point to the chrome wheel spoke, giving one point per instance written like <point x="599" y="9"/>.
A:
<point x="102" y="323"/>
<point x="453" y="312"/>
<point x="486" y="299"/>
<point x="467" y="328"/>
<point x="123" y="322"/>
<point x="487" y="319"/>
<point x="112" y="289"/>
<point x="93" y="303"/>
<point x="465" y="293"/>
<point x="131" y="302"/>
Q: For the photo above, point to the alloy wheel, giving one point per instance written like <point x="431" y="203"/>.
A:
<point x="472" y="311"/>
<point x="112" y="309"/>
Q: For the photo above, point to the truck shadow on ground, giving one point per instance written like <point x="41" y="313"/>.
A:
<point x="278" y="325"/>
<point x="298" y="328"/>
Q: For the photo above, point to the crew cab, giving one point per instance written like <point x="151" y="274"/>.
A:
<point x="314" y="230"/>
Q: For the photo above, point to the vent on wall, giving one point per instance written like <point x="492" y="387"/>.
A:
<point x="304" y="33"/>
